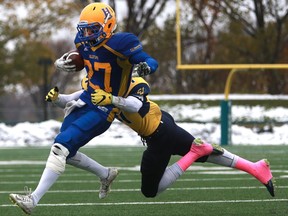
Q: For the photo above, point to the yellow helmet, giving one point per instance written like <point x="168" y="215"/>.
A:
<point x="97" y="21"/>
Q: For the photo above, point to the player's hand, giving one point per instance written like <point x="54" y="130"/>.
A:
<point x="63" y="64"/>
<point x="52" y="95"/>
<point x="101" y="98"/>
<point x="142" y="69"/>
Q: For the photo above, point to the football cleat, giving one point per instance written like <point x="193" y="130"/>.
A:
<point x="25" y="202"/>
<point x="106" y="183"/>
<point x="270" y="187"/>
<point x="217" y="149"/>
<point x="200" y="148"/>
<point x="197" y="141"/>
<point x="264" y="175"/>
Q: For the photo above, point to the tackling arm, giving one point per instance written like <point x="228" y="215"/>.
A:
<point x="129" y="104"/>
<point x="61" y="100"/>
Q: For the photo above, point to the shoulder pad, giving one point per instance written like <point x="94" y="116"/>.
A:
<point x="125" y="43"/>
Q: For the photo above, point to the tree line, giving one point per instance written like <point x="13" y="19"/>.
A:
<point x="212" y="32"/>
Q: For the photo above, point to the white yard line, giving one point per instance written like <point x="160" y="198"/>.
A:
<point x="169" y="189"/>
<point x="158" y="203"/>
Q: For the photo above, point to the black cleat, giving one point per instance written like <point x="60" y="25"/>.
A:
<point x="270" y="187"/>
<point x="217" y="149"/>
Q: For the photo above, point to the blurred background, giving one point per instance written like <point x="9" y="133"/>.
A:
<point x="34" y="33"/>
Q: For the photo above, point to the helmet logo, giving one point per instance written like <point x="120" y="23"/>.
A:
<point x="107" y="13"/>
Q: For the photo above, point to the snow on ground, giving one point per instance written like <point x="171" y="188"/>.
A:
<point x="42" y="134"/>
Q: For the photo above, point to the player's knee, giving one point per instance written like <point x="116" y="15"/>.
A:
<point x="57" y="158"/>
<point x="149" y="193"/>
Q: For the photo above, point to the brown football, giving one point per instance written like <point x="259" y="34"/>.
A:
<point x="76" y="59"/>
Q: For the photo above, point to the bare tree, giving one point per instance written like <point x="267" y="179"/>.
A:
<point x="142" y="14"/>
<point x="265" y="27"/>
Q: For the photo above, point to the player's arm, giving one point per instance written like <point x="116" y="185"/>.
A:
<point x="144" y="64"/>
<point x="128" y="104"/>
<point x="130" y="46"/>
<point x="61" y="99"/>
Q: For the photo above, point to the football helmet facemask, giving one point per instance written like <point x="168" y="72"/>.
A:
<point x="97" y="21"/>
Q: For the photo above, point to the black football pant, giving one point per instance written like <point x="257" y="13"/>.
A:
<point x="168" y="139"/>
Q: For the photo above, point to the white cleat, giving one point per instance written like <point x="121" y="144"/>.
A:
<point x="25" y="202"/>
<point x="106" y="183"/>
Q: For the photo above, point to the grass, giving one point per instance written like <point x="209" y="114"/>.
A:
<point x="206" y="189"/>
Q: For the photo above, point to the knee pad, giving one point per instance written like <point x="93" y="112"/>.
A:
<point x="57" y="158"/>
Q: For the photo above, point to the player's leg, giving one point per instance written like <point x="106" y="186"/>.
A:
<point x="86" y="163"/>
<point x="91" y="124"/>
<point x="80" y="131"/>
<point x="221" y="156"/>
<point x="55" y="166"/>
<point x="260" y="170"/>
<point x="194" y="152"/>
<point x="153" y="165"/>
<point x="183" y="143"/>
<point x="106" y="175"/>
<point x="156" y="176"/>
<point x="173" y="172"/>
<point x="168" y="141"/>
<point x="198" y="149"/>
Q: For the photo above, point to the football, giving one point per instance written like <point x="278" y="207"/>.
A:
<point x="77" y="59"/>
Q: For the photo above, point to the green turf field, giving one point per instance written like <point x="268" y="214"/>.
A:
<point x="205" y="189"/>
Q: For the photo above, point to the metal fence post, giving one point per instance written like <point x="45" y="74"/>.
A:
<point x="225" y="122"/>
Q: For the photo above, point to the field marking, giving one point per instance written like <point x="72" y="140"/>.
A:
<point x="124" y="181"/>
<point x="134" y="174"/>
<point x="137" y="190"/>
<point x="156" y="203"/>
<point x="95" y="180"/>
<point x="193" y="167"/>
<point x="22" y="162"/>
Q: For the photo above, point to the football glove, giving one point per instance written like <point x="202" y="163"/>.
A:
<point x="63" y="64"/>
<point x="101" y="98"/>
<point x="52" y="95"/>
<point x="142" y="69"/>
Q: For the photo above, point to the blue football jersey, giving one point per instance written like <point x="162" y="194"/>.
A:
<point x="108" y="65"/>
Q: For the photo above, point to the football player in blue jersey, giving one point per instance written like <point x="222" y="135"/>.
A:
<point x="165" y="138"/>
<point x="109" y="59"/>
